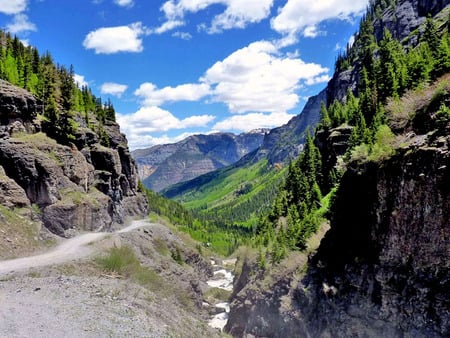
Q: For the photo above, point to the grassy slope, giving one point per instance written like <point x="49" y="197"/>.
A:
<point x="228" y="191"/>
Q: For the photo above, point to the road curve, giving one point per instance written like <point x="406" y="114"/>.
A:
<point x="71" y="249"/>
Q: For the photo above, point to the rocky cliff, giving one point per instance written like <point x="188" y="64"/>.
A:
<point x="403" y="20"/>
<point x="166" y="165"/>
<point x="286" y="142"/>
<point x="81" y="186"/>
<point x="383" y="268"/>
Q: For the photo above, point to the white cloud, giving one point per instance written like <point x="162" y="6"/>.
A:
<point x="182" y="35"/>
<point x="237" y="13"/>
<point x="147" y="120"/>
<point x="258" y="78"/>
<point x="168" y="26"/>
<point x="319" y="79"/>
<point x="80" y="80"/>
<point x="152" y="96"/>
<point x="312" y="32"/>
<point x="303" y="16"/>
<point x="253" y="121"/>
<point x="146" y="141"/>
<point x="124" y="3"/>
<point x="110" y="40"/>
<point x="21" y="24"/>
<point x="112" y="88"/>
<point x="11" y="7"/>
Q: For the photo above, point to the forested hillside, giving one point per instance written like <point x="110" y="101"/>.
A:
<point x="387" y="70"/>
<point x="55" y="88"/>
<point x="376" y="170"/>
<point x="64" y="165"/>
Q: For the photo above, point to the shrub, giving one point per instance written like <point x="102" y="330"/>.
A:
<point x="383" y="147"/>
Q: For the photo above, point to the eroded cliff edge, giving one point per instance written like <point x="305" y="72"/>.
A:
<point x="382" y="270"/>
<point x="83" y="185"/>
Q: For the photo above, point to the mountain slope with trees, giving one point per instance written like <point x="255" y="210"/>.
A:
<point x="64" y="165"/>
<point x="377" y="170"/>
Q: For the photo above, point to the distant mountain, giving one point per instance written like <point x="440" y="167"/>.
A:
<point x="164" y="165"/>
<point x="286" y="142"/>
<point x="240" y="192"/>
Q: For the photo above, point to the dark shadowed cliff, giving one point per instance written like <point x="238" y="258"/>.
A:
<point x="382" y="270"/>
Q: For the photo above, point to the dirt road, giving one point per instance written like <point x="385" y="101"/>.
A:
<point x="71" y="249"/>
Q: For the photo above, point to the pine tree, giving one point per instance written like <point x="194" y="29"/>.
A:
<point x="431" y="36"/>
<point x="391" y="68"/>
<point x="325" y="121"/>
<point x="442" y="57"/>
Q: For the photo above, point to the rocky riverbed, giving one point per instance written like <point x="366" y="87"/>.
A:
<point x="223" y="279"/>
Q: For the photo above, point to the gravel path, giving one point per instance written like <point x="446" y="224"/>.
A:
<point x="38" y="300"/>
<point x="69" y="250"/>
<point x="81" y="307"/>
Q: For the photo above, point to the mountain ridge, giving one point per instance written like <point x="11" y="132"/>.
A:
<point x="164" y="165"/>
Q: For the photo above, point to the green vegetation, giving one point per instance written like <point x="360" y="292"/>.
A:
<point x="221" y="239"/>
<point x="55" y="87"/>
<point x="123" y="261"/>
<point x="387" y="72"/>
<point x="233" y="196"/>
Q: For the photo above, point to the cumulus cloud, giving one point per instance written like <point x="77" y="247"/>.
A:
<point x="110" y="40"/>
<point x="258" y="78"/>
<point x="152" y="96"/>
<point x="11" y="7"/>
<point x="303" y="16"/>
<point x="146" y="141"/>
<point x="112" y="88"/>
<point x="21" y="24"/>
<point x="147" y="120"/>
<point x="253" y="121"/>
<point x="124" y="3"/>
<point x="80" y="80"/>
<point x="182" y="35"/>
<point x="237" y="13"/>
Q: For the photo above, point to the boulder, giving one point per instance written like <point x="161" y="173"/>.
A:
<point x="11" y="194"/>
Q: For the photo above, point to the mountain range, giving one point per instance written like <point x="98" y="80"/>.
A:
<point x="163" y="165"/>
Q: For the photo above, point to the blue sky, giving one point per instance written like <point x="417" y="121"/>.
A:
<point x="173" y="68"/>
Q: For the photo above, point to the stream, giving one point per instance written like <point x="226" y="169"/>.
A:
<point x="223" y="279"/>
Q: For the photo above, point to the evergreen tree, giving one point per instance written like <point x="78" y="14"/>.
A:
<point x="431" y="37"/>
<point x="391" y="68"/>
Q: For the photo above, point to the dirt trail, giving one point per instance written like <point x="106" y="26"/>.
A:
<point x="71" y="249"/>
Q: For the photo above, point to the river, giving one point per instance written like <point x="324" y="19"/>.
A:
<point x="223" y="279"/>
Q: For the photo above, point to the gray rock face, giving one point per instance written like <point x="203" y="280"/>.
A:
<point x="286" y="142"/>
<point x="382" y="270"/>
<point x="197" y="155"/>
<point x="401" y="20"/>
<point x="18" y="110"/>
<point x="84" y="186"/>
<point x="11" y="194"/>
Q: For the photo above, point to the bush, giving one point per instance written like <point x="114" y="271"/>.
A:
<point x="383" y="147"/>
<point x="121" y="260"/>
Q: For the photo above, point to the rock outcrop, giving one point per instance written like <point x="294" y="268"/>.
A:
<point x="82" y="186"/>
<point x="382" y="270"/>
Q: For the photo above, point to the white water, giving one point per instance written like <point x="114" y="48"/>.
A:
<point x="222" y="279"/>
